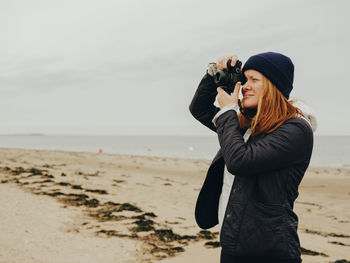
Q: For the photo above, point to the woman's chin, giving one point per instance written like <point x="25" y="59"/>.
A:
<point x="249" y="105"/>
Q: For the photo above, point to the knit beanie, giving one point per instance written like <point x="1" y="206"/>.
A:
<point x="278" y="68"/>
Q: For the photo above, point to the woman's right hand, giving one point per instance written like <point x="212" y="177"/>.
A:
<point x="222" y="61"/>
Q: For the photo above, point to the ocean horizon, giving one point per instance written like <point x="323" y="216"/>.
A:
<point x="329" y="151"/>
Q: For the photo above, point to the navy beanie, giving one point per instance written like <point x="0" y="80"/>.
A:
<point x="278" y="68"/>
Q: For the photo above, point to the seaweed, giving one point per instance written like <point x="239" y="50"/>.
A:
<point x="212" y="244"/>
<point x="143" y="225"/>
<point x="102" y="192"/>
<point x="309" y="252"/>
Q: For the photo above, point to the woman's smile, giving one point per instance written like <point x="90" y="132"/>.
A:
<point x="245" y="95"/>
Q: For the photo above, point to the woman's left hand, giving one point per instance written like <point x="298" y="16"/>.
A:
<point x="224" y="98"/>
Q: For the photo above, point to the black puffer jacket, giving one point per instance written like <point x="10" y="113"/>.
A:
<point x="259" y="220"/>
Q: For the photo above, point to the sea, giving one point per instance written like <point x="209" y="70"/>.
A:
<point x="329" y="151"/>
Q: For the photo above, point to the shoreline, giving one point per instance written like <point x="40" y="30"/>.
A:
<point x="313" y="167"/>
<point x="144" y="205"/>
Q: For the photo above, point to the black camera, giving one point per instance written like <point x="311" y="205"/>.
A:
<point x="227" y="79"/>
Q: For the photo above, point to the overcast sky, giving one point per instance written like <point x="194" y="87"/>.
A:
<point x="132" y="67"/>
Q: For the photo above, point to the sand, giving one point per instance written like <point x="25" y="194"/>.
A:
<point x="84" y="207"/>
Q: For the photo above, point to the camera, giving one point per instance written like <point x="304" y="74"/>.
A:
<point x="227" y="79"/>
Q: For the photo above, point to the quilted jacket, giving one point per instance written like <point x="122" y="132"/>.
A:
<point x="259" y="220"/>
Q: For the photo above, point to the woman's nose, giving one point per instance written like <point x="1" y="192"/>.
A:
<point x="246" y="86"/>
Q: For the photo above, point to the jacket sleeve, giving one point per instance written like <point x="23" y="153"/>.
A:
<point x="202" y="107"/>
<point x="289" y="144"/>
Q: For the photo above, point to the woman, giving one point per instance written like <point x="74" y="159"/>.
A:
<point x="265" y="149"/>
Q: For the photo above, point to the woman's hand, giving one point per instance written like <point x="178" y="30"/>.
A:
<point x="224" y="98"/>
<point x="222" y="61"/>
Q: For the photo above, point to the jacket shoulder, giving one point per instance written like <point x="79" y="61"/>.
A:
<point x="300" y="123"/>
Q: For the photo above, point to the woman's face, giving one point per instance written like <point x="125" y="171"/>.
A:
<point x="252" y="89"/>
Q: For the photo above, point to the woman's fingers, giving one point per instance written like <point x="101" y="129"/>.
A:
<point x="237" y="89"/>
<point x="235" y="94"/>
<point x="234" y="59"/>
<point x="219" y="90"/>
<point x="222" y="61"/>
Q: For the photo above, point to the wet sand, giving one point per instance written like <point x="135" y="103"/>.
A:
<point x="83" y="207"/>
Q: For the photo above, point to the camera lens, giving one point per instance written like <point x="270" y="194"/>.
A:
<point x="222" y="78"/>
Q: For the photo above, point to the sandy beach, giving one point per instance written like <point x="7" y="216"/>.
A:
<point x="94" y="207"/>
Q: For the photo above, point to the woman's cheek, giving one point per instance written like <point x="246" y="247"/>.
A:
<point x="246" y="102"/>
<point x="250" y="102"/>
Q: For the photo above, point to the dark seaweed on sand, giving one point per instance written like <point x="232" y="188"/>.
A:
<point x="212" y="244"/>
<point x="305" y="251"/>
<point x="159" y="242"/>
